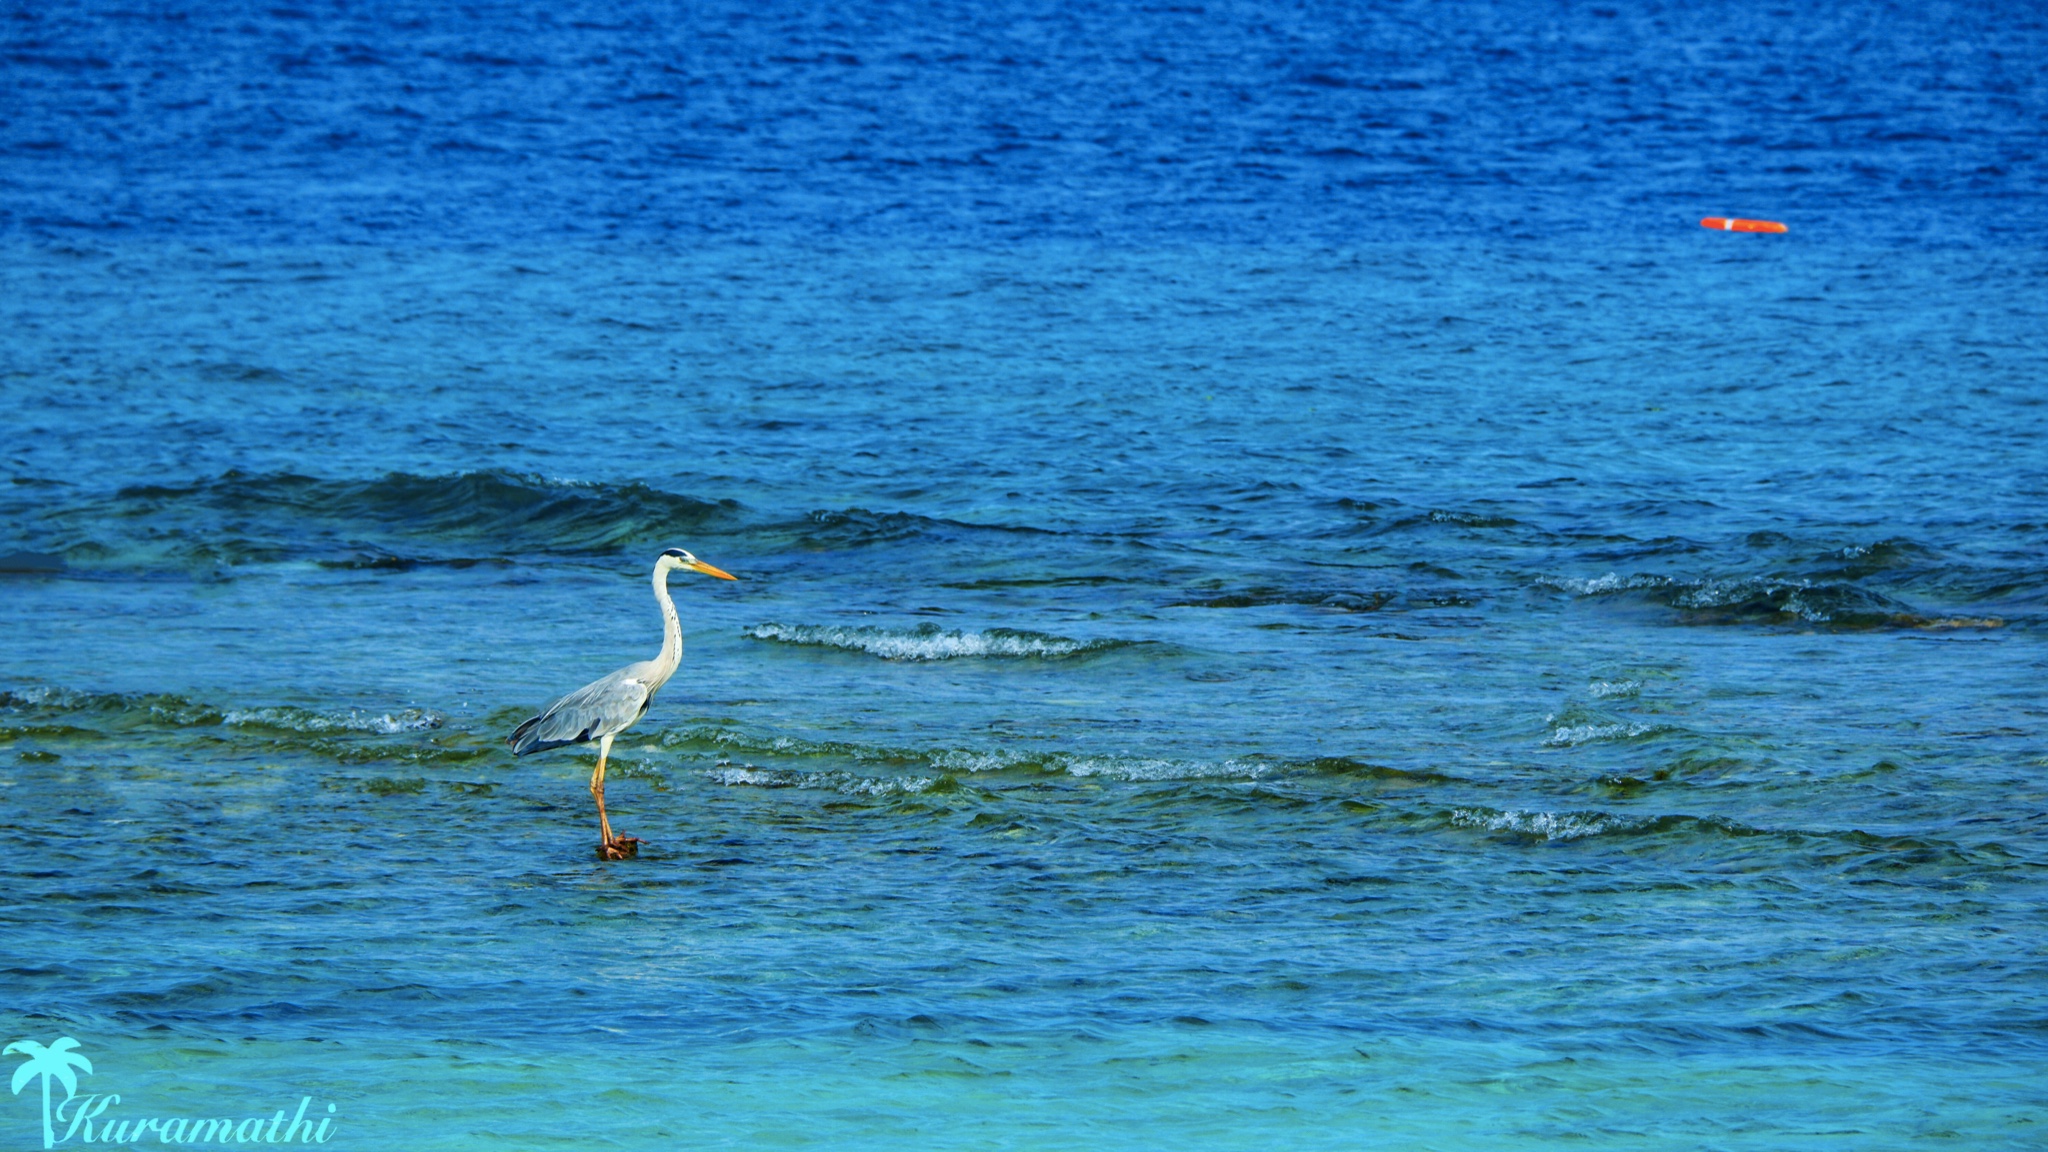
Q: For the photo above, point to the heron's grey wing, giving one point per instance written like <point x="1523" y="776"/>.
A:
<point x="599" y="708"/>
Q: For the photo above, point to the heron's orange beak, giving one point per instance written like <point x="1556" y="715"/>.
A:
<point x="708" y="570"/>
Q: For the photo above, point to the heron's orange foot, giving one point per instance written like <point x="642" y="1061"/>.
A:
<point x="619" y="848"/>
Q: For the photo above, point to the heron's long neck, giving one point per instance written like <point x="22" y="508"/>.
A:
<point x="671" y="628"/>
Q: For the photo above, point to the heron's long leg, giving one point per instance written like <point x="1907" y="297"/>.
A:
<point x="604" y="749"/>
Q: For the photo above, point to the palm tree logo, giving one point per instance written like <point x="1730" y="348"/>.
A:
<point x="56" y="1060"/>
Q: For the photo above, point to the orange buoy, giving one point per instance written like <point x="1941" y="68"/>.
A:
<point x="1730" y="224"/>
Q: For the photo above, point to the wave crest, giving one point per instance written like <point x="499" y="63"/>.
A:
<point x="1570" y="735"/>
<point x="859" y="527"/>
<point x="1833" y="605"/>
<point x="845" y="783"/>
<point x="1548" y="825"/>
<point x="395" y="520"/>
<point x="930" y="642"/>
<point x="288" y="719"/>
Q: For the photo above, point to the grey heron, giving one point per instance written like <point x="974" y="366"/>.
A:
<point x="606" y="707"/>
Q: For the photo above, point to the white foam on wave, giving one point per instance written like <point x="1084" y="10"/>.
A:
<point x="1605" y="688"/>
<point x="1566" y="736"/>
<point x="1731" y="590"/>
<point x="44" y="696"/>
<point x="1814" y="603"/>
<point x="291" y="719"/>
<point x="1142" y="770"/>
<point x="925" y="642"/>
<point x="845" y="783"/>
<point x="1137" y="769"/>
<point x="1707" y="594"/>
<point x="1723" y="593"/>
<point x="1549" y="825"/>
<point x="981" y="760"/>
<point x="183" y="713"/>
<point x="1600" y="585"/>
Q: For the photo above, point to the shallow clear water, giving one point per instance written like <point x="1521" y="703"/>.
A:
<point x="1210" y="666"/>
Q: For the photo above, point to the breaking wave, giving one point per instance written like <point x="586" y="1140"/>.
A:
<point x="1833" y="605"/>
<point x="845" y="783"/>
<point x="1548" y="825"/>
<point x="181" y="712"/>
<point x="930" y="642"/>
<point x="66" y="718"/>
<point x="1839" y="848"/>
<point x="289" y="719"/>
<point x="1569" y="735"/>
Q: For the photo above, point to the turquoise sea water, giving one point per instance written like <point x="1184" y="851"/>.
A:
<point x="1208" y="669"/>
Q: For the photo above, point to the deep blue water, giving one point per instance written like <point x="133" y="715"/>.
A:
<point x="1291" y="596"/>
